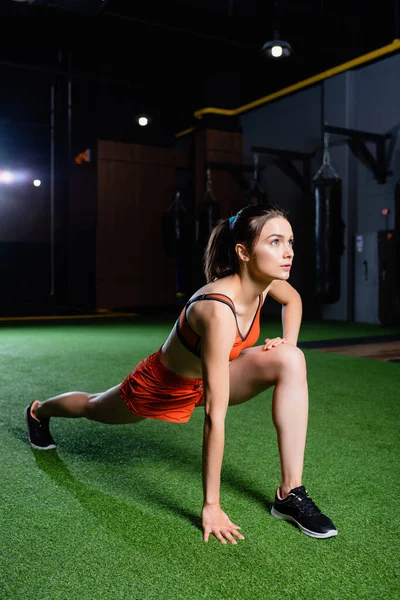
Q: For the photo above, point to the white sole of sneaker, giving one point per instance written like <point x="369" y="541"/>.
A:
<point x="50" y="447"/>
<point x="312" y="534"/>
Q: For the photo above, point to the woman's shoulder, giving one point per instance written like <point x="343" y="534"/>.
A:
<point x="226" y="286"/>
<point x="223" y="286"/>
<point x="200" y="311"/>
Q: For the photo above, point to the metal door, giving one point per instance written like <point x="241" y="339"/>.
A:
<point x="366" y="296"/>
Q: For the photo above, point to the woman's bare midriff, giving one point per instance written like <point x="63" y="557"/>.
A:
<point x="178" y="359"/>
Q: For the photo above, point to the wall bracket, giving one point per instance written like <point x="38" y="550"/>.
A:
<point x="356" y="141"/>
<point x="236" y="170"/>
<point x="286" y="165"/>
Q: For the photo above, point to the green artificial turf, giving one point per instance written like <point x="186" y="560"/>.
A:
<point x="114" y="512"/>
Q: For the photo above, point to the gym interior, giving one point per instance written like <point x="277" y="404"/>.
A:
<point x="127" y="132"/>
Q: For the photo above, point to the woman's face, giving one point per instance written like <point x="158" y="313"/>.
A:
<point x="272" y="256"/>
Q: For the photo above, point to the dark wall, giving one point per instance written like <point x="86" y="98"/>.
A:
<point x="293" y="124"/>
<point x="31" y="218"/>
<point x="364" y="99"/>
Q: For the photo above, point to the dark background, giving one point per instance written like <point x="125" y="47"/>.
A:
<point x="172" y="58"/>
<point x="79" y="71"/>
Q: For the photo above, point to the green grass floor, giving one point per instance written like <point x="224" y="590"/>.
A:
<point x="114" y="512"/>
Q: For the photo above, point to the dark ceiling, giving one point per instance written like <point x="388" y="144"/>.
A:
<point x="188" y="54"/>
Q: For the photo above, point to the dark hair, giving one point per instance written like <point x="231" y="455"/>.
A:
<point x="220" y="258"/>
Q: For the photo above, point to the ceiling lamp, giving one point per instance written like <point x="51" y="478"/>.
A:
<point x="276" y="48"/>
<point x="143" y="119"/>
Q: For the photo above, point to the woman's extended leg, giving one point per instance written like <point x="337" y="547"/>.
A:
<point x="256" y="370"/>
<point x="105" y="407"/>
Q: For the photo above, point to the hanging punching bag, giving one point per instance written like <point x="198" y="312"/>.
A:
<point x="328" y="230"/>
<point x="329" y="237"/>
<point x="176" y="241"/>
<point x="256" y="193"/>
<point x="176" y="228"/>
<point x="209" y="214"/>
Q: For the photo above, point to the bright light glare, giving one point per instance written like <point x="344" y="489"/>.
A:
<point x="143" y="121"/>
<point x="19" y="176"/>
<point x="6" y="177"/>
<point x="276" y="51"/>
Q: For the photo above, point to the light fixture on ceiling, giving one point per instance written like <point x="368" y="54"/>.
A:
<point x="276" y="48"/>
<point x="143" y="119"/>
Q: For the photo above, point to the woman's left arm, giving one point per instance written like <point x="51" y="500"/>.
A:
<point x="292" y="309"/>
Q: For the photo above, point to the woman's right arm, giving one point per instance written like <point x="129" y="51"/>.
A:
<point x="218" y="333"/>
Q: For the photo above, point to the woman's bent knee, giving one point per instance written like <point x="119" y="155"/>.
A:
<point x="287" y="360"/>
<point x="293" y="360"/>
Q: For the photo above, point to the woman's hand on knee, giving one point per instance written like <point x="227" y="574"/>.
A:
<point x="272" y="343"/>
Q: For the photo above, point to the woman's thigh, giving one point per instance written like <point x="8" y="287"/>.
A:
<point x="254" y="371"/>
<point x="109" y="407"/>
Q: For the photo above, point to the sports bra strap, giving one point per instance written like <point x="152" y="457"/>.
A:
<point x="192" y="340"/>
<point x="226" y="301"/>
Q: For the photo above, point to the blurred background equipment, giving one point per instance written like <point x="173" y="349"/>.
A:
<point x="328" y="229"/>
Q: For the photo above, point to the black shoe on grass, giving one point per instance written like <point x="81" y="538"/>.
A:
<point x="301" y="510"/>
<point x="39" y="435"/>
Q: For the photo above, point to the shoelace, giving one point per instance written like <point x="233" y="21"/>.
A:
<point x="306" y="505"/>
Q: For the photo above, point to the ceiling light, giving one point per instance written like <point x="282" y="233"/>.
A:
<point x="143" y="119"/>
<point x="276" y="49"/>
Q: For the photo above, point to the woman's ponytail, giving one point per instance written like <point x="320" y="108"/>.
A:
<point x="220" y="258"/>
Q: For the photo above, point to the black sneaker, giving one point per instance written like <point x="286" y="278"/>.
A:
<point x="39" y="435"/>
<point x="301" y="510"/>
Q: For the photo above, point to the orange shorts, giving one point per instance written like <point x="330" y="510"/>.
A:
<point x="151" y="390"/>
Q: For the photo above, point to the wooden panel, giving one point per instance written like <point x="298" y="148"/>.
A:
<point x="132" y="269"/>
<point x="119" y="151"/>
<point x="389" y="351"/>
<point x="233" y="158"/>
<point x="224" y="140"/>
<point x="225" y="147"/>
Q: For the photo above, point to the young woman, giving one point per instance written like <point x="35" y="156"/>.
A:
<point x="208" y="360"/>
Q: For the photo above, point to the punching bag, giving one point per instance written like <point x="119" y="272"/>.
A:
<point x="256" y="193"/>
<point x="328" y="237"/>
<point x="176" y="242"/>
<point x="328" y="229"/>
<point x="209" y="214"/>
<point x="176" y="226"/>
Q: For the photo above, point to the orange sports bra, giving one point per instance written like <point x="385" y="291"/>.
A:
<point x="192" y="341"/>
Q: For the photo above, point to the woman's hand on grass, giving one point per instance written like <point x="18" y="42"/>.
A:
<point x="217" y="522"/>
